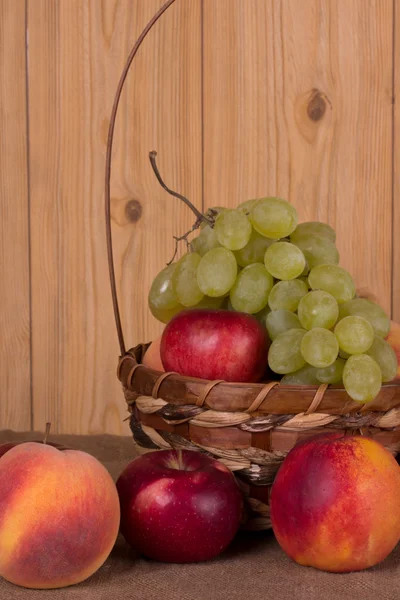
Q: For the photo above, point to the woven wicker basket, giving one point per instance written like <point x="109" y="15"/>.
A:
<point x="249" y="427"/>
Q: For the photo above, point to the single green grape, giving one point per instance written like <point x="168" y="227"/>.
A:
<point x="287" y="294"/>
<point x="361" y="307"/>
<point x="314" y="228"/>
<point x="273" y="217"/>
<point x="246" y="206"/>
<point x="164" y="315"/>
<point x="319" y="347"/>
<point x="317" y="250"/>
<point x="217" y="272"/>
<point x="304" y="376"/>
<point x="254" y="250"/>
<point x="281" y="320"/>
<point x="161" y="295"/>
<point x="251" y="289"/>
<point x="208" y="302"/>
<point x="385" y="356"/>
<point x="332" y="279"/>
<point x="354" y="334"/>
<point x="284" y="354"/>
<point x="284" y="261"/>
<point x="362" y="378"/>
<point x="318" y="309"/>
<point x="184" y="280"/>
<point x="205" y="241"/>
<point x="333" y="373"/>
<point x="233" y="229"/>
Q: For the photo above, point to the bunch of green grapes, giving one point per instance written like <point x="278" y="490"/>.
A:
<point x="257" y="259"/>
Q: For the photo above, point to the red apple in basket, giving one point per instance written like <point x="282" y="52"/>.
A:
<point x="335" y="503"/>
<point x="215" y="344"/>
<point x="59" y="515"/>
<point x="179" y="506"/>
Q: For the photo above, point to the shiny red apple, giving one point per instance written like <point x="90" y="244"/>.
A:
<point x="179" y="506"/>
<point x="215" y="344"/>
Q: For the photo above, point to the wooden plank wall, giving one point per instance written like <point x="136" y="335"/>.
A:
<point x="76" y="51"/>
<point x="15" y="325"/>
<point x="241" y="98"/>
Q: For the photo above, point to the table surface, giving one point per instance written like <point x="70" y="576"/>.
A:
<point x="253" y="567"/>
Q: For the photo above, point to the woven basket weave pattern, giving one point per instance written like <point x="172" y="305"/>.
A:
<point x="171" y="411"/>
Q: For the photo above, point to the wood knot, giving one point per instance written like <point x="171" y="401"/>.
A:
<point x="316" y="107"/>
<point x="133" y="211"/>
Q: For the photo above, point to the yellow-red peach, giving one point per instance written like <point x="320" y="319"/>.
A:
<point x="393" y="338"/>
<point x="335" y="503"/>
<point x="152" y="358"/>
<point x="59" y="516"/>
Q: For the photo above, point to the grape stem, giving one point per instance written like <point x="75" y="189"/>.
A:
<point x="195" y="226"/>
<point x="199" y="215"/>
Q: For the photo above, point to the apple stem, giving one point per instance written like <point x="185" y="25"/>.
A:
<point x="180" y="461"/>
<point x="46" y="433"/>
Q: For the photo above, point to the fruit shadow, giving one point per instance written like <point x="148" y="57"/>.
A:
<point x="120" y="562"/>
<point x="247" y="542"/>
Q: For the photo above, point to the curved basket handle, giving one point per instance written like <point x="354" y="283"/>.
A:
<point x="111" y="128"/>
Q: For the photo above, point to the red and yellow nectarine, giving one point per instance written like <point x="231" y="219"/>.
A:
<point x="152" y="358"/>
<point x="394" y="340"/>
<point x="335" y="503"/>
<point x="59" y="516"/>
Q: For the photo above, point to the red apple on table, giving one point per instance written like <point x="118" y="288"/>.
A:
<point x="59" y="515"/>
<point x="179" y="506"/>
<point x="335" y="503"/>
<point x="215" y="344"/>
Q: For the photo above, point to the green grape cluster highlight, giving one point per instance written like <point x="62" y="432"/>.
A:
<point x="259" y="260"/>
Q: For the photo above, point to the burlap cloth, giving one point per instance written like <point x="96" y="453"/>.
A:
<point x="253" y="567"/>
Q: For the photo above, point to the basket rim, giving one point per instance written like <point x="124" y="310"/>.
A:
<point x="280" y="399"/>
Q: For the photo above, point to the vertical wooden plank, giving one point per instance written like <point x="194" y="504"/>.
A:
<point x="263" y="59"/>
<point x="297" y="103"/>
<point x="396" y="165"/>
<point x="361" y="176"/>
<point x="15" y="404"/>
<point x="76" y="53"/>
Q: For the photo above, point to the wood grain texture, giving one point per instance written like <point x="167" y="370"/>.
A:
<point x="76" y="52"/>
<point x="15" y="403"/>
<point x="297" y="103"/>
<point x="241" y="98"/>
<point x="396" y="166"/>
